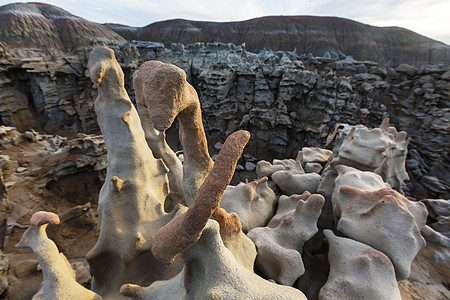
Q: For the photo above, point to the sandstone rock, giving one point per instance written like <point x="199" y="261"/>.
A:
<point x="381" y="150"/>
<point x="313" y="168"/>
<point x="348" y="176"/>
<point x="134" y="177"/>
<point x="169" y="96"/>
<point x="253" y="202"/>
<point x="143" y="82"/>
<point x="291" y="183"/>
<point x="358" y="271"/>
<point x="313" y="155"/>
<point x="214" y="272"/>
<point x="280" y="244"/>
<point x="431" y="235"/>
<point x="59" y="277"/>
<point x="211" y="271"/>
<point x="366" y="217"/>
<point x="266" y="169"/>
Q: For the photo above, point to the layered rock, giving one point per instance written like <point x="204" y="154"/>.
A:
<point x="217" y="256"/>
<point x="287" y="99"/>
<point x="329" y="36"/>
<point x="43" y="57"/>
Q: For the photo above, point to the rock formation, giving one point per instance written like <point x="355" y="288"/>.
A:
<point x="254" y="203"/>
<point x="265" y="168"/>
<point x="287" y="99"/>
<point x="169" y="96"/>
<point x="358" y="271"/>
<point x="276" y="96"/>
<point x="328" y="36"/>
<point x="296" y="183"/>
<point x="381" y="150"/>
<point x="211" y="270"/>
<point x="365" y="217"/>
<point x="279" y="245"/>
<point x="131" y="201"/>
<point x="156" y="140"/>
<point x="59" y="278"/>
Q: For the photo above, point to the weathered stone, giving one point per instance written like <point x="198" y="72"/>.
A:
<point x="253" y="202"/>
<point x="358" y="271"/>
<point x="280" y="244"/>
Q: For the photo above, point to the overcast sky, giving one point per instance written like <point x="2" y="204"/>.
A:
<point x="427" y="17"/>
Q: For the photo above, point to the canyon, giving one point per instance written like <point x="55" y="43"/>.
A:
<point x="289" y="96"/>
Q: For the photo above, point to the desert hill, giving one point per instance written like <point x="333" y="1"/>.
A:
<point x="306" y="34"/>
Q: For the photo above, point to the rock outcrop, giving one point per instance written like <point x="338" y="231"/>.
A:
<point x="254" y="202"/>
<point x="320" y="36"/>
<point x="59" y="278"/>
<point x="280" y="244"/>
<point x="138" y="238"/>
<point x="286" y="99"/>
<point x="374" y="278"/>
<point x="131" y="201"/>
<point x="363" y="214"/>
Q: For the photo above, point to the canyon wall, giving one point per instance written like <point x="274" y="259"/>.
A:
<point x="286" y="99"/>
<point x="390" y="46"/>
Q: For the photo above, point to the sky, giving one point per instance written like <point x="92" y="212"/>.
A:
<point x="430" y="18"/>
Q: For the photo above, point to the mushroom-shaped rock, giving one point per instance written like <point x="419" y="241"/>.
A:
<point x="59" y="278"/>
<point x="280" y="245"/>
<point x="358" y="271"/>
<point x="266" y="169"/>
<point x="167" y="95"/>
<point x="44" y="217"/>
<point x="132" y="198"/>
<point x="385" y="220"/>
<point x="253" y="202"/>
<point x="212" y="272"/>
<point x="290" y="183"/>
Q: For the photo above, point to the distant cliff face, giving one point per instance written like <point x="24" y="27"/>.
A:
<point x="308" y="34"/>
<point x="286" y="99"/>
<point x="43" y="55"/>
<point x="39" y="25"/>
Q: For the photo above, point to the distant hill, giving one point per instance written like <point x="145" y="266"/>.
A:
<point x="40" y="25"/>
<point x="43" y="26"/>
<point x="307" y="34"/>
